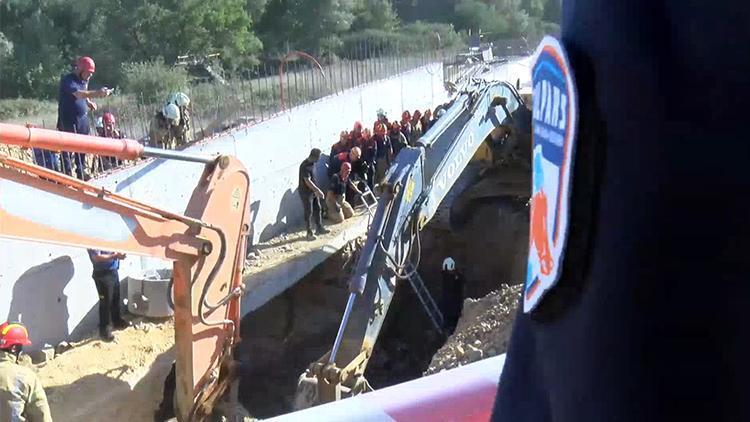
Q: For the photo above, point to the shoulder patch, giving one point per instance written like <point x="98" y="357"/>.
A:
<point x="554" y="125"/>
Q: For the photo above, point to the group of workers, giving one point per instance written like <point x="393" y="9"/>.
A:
<point x="358" y="162"/>
<point x="170" y="127"/>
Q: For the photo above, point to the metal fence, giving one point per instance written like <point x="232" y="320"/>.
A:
<point x="257" y="94"/>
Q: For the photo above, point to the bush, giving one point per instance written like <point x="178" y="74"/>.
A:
<point x="413" y="37"/>
<point x="153" y="80"/>
<point x="24" y="107"/>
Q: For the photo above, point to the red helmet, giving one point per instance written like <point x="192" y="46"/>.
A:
<point x="86" y="64"/>
<point x="357" y="126"/>
<point x="109" y="118"/>
<point x="12" y="334"/>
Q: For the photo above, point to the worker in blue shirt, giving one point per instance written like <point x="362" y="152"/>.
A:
<point x="649" y="318"/>
<point x="74" y="101"/>
<point x="107" y="280"/>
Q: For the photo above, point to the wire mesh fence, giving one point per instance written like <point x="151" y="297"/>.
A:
<point x="254" y="94"/>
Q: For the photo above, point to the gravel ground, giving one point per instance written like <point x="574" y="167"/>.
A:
<point x="483" y="329"/>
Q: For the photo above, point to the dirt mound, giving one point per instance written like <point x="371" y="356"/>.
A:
<point x="483" y="330"/>
<point x="118" y="381"/>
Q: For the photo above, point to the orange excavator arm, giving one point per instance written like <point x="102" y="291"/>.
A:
<point x="206" y="244"/>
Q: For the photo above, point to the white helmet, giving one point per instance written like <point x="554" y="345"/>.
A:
<point x="99" y="122"/>
<point x="171" y="112"/>
<point x="449" y="264"/>
<point x="180" y="99"/>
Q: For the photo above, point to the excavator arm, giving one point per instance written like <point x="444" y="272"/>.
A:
<point x="417" y="182"/>
<point x="206" y="243"/>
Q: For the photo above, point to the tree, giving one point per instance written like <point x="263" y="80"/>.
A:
<point x="375" y="14"/>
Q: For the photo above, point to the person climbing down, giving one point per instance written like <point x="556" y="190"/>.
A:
<point x="22" y="397"/>
<point x="453" y="295"/>
<point x="310" y="194"/>
<point x="338" y="208"/>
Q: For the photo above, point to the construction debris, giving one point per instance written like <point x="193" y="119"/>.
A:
<point x="483" y="330"/>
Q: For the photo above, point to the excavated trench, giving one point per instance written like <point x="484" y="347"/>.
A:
<point x="284" y="336"/>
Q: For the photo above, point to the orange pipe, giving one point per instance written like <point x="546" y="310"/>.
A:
<point x="30" y="137"/>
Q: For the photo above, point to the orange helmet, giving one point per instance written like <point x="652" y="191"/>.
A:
<point x="12" y="334"/>
<point x="86" y="64"/>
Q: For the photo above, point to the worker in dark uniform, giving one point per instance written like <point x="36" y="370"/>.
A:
<point x="365" y="167"/>
<point x="406" y="126"/>
<point x="453" y="295"/>
<point x="351" y="157"/>
<point x="22" y="396"/>
<point x="384" y="152"/>
<point x="338" y="207"/>
<point x="355" y="136"/>
<point x="649" y="319"/>
<point x="311" y="194"/>
<point x="342" y="145"/>
<point x="107" y="280"/>
<point x="397" y="138"/>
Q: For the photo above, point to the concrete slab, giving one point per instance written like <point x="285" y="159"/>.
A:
<point x="285" y="260"/>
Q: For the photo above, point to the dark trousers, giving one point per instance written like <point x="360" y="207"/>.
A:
<point x="108" y="285"/>
<point x="313" y="212"/>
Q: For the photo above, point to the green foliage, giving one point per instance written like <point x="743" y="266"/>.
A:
<point x="153" y="80"/>
<point x="375" y="14"/>
<point x="41" y="38"/>
<point x="13" y="108"/>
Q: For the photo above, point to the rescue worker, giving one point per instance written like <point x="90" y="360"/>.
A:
<point x="22" y="397"/>
<point x="382" y="118"/>
<point x="183" y="132"/>
<point x="108" y="130"/>
<point x="453" y="295"/>
<point x="162" y="127"/>
<point x="107" y="280"/>
<point x="397" y="138"/>
<point x="406" y="128"/>
<point x="647" y="319"/>
<point x="311" y="195"/>
<point x="426" y="121"/>
<point x="342" y="145"/>
<point x="100" y="126"/>
<point x="416" y="127"/>
<point x="355" y="136"/>
<point x="74" y="102"/>
<point x="365" y="167"/>
<point x="351" y="157"/>
<point x="338" y="207"/>
<point x="384" y="152"/>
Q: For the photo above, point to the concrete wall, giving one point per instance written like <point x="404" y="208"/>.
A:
<point x="50" y="287"/>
